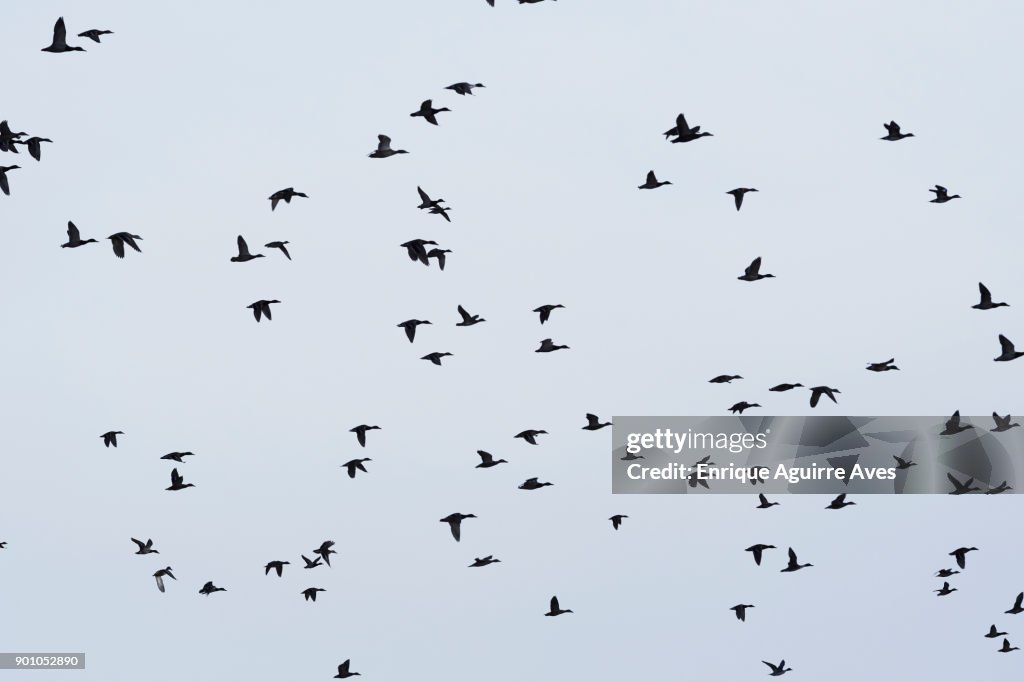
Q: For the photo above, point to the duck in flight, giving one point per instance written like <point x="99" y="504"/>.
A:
<point x="758" y="550"/>
<point x="243" y="252"/>
<point x="653" y="182"/>
<point x="839" y="502"/>
<point x="310" y="592"/>
<point x="962" y="488"/>
<point x="310" y="564"/>
<point x="533" y="484"/>
<point x="724" y="379"/>
<point x="819" y="391"/>
<point x="548" y="346"/>
<point x="94" y="34"/>
<point x="441" y="211"/>
<point x="1009" y="351"/>
<point x="765" y="504"/>
<point x="277" y="566"/>
<point x="485" y="561"/>
<point x="261" y="308"/>
<point x="467" y="319"/>
<point x="946" y="589"/>
<point x="617" y="520"/>
<point x="752" y="273"/>
<point x="177" y="482"/>
<point x="942" y="195"/>
<point x="75" y="238"/>
<point x="894" y="134"/>
<point x="793" y="564"/>
<point x="1001" y="488"/>
<point x="779" y="669"/>
<point x="953" y="425"/>
<point x="545" y="311"/>
<point x="737" y="195"/>
<point x="903" y="463"/>
<point x="356" y="464"/>
<point x="343" y="670"/>
<point x="59" y="43"/>
<point x="209" y="588"/>
<point x="280" y="245"/>
<point x="593" y="423"/>
<point x="360" y="432"/>
<point x="110" y="438"/>
<point x="416" y="248"/>
<point x="487" y="460"/>
<point x="960" y="554"/>
<point x="284" y="195"/>
<point x="384" y="149"/>
<point x="1018" y="605"/>
<point x="34" y="145"/>
<point x="325" y="551"/>
<point x="467" y="88"/>
<point x="683" y="132"/>
<point x="4" y="184"/>
<point x="410" y="327"/>
<point x="993" y="633"/>
<point x="741" y="611"/>
<point x="986" y="299"/>
<point x="1003" y="423"/>
<point x="177" y="456"/>
<point x="882" y="366"/>
<point x="439" y="254"/>
<point x="780" y="388"/>
<point x="145" y="547"/>
<point x="556" y="610"/>
<point x="426" y="202"/>
<point x="436" y="357"/>
<point x="530" y="435"/>
<point x="119" y="239"/>
<point x="454" y="522"/>
<point x="946" y="573"/>
<point x="160" y="575"/>
<point x="1006" y="647"/>
<point x="428" y="112"/>
<point x="742" y="405"/>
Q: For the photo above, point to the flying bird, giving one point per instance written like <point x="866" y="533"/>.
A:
<point x="454" y="522"/>
<point x="742" y="405"/>
<point x="758" y="551"/>
<point x="441" y="211"/>
<point x="903" y="463"/>
<point x="683" y="132"/>
<point x="277" y="566"/>
<point x="110" y="438"/>
<point x="793" y="564"/>
<point x="410" y="327"/>
<point x="593" y="423"/>
<point x="882" y="366"/>
<point x="426" y="201"/>
<point x="993" y="633"/>
<point x="94" y="34"/>
<point x="1002" y="423"/>
<point x="961" y="555"/>
<point x="467" y="319"/>
<point x="325" y="551"/>
<point x="724" y="379"/>
<point x="281" y="246"/>
<point x="986" y="299"/>
<point x="617" y="520"/>
<point x="284" y="195"/>
<point x="356" y="464"/>
<point x="839" y="502"/>
<point x="894" y="134"/>
<point x="946" y="589"/>
<point x="530" y="435"/>
<point x="145" y="547"/>
<point x="653" y="182"/>
<point x="764" y="503"/>
<point x="1007" y="648"/>
<point x="119" y="239"/>
<point x="819" y="391"/>
<point x="487" y="460"/>
<point x="261" y="308"/>
<point x="942" y="195"/>
<point x="741" y="611"/>
<point x="953" y="425"/>
<point x="243" y="252"/>
<point x="428" y="112"/>
<point x="485" y="561"/>
<point x="209" y="588"/>
<point x="962" y="488"/>
<point x="439" y="254"/>
<point x="556" y="610"/>
<point x="343" y="670"/>
<point x="780" y="388"/>
<point x="177" y="482"/>
<point x="416" y="248"/>
<point x="545" y="311"/>
<point x="435" y="357"/>
<point x="311" y="564"/>
<point x="1018" y="605"/>
<point x="177" y="456"/>
<point x="360" y="432"/>
<point x="1009" y="352"/>
<point x="5" y="185"/>
<point x="533" y="484"/>
<point x="752" y="273"/>
<point x="779" y="669"/>
<point x="160" y="575"/>
<point x="310" y="592"/>
<point x="737" y="195"/>
<point x="75" y="238"/>
<point x="467" y="88"/>
<point x="34" y="145"/>
<point x="384" y="149"/>
<point x="548" y="346"/>
<point x="59" y="44"/>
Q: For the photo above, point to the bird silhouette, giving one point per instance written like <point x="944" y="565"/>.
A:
<point x="986" y="300"/>
<point x="280" y="245"/>
<point x="882" y="366"/>
<point x="1002" y="423"/>
<point x="59" y="43"/>
<point x="652" y="182"/>
<point x="467" y="319"/>
<point x="309" y="563"/>
<point x="1009" y="352"/>
<point x="94" y="34"/>
<point x="177" y="482"/>
<point x="384" y="149"/>
<point x="530" y="435"/>
<point x="780" y="388"/>
<point x="410" y="327"/>
<point x="993" y="633"/>
<point x="75" y="238"/>
<point x="548" y="346"/>
<point x="261" y="308"/>
<point x="894" y="134"/>
<point x="961" y="488"/>
<point x="487" y="460"/>
<point x="428" y="112"/>
<point x="741" y="611"/>
<point x="284" y="195"/>
<point x="1007" y="648"/>
<point x="683" y="132"/>
<point x="343" y="670"/>
<point x="839" y="502"/>
<point x="160" y="575"/>
<point x="533" y="484"/>
<point x="724" y="379"/>
<point x="209" y="588"/>
<point x="354" y="465"/>
<point x="177" y="456"/>
<point x="325" y="551"/>
<point x="310" y="593"/>
<point x="555" y="610"/>
<point x="118" y="240"/>
<point x="110" y="438"/>
<point x="758" y="549"/>
<point x="819" y="391"/>
<point x="243" y="252"/>
<point x="741" y="406"/>
<point x="737" y="195"/>
<point x="617" y="520"/>
<point x="779" y="669"/>
<point x="34" y="145"/>
<point x="752" y="273"/>
<point x="1018" y="605"/>
<point x="764" y="503"/>
<point x="467" y="88"/>
<point x="545" y="311"/>
<point x="435" y="357"/>
<point x="944" y="590"/>
<point x="277" y="566"/>
<point x="793" y="565"/>
<point x="485" y="561"/>
<point x="961" y="555"/>
<point x="145" y="547"/>
<point x="942" y="195"/>
<point x="594" y="424"/>
<point x="360" y="432"/>
<point x="953" y="425"/>
<point x="454" y="522"/>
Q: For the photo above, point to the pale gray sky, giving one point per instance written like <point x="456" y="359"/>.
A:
<point x="181" y="124"/>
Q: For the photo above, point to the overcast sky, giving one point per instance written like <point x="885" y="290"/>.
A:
<point x="181" y="124"/>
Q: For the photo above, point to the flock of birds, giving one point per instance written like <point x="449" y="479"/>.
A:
<point x="418" y="251"/>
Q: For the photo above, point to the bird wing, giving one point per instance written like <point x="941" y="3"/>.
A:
<point x="410" y="331"/>
<point x="243" y="248"/>
<point x="682" y="128"/>
<point x="456" y="526"/>
<point x="73" y="234"/>
<point x="792" y="556"/>
<point x="815" y="397"/>
<point x="753" y="268"/>
<point x="343" y="668"/>
<point x="423" y="195"/>
<point x="738" y="199"/>
<point x="3" y="183"/>
<point x="384" y="143"/>
<point x="266" y="310"/>
<point x="485" y="457"/>
<point x="160" y="583"/>
<point x="130" y="241"/>
<point x="986" y="295"/>
<point x="554" y="604"/>
<point x="60" y="33"/>
<point x="651" y="179"/>
<point x="1006" y="344"/>
<point x="466" y="317"/>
